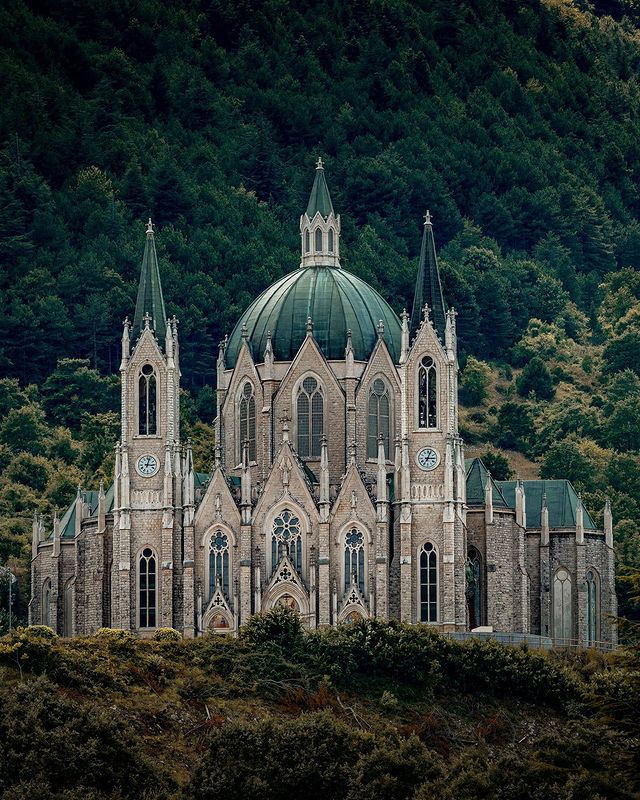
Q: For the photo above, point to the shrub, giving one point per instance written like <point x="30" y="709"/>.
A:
<point x="475" y="379"/>
<point x="167" y="635"/>
<point x="281" y="626"/>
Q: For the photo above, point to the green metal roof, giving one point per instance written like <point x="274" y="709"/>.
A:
<point x="319" y="199"/>
<point x="150" y="300"/>
<point x="336" y="300"/>
<point x="477" y="475"/>
<point x="90" y="496"/>
<point x="562" y="501"/>
<point x="428" y="286"/>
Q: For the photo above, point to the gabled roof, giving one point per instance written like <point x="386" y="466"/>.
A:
<point x="90" y="497"/>
<point x="562" y="501"/>
<point x="477" y="476"/>
<point x="428" y="287"/>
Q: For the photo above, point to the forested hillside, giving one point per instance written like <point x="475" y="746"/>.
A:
<point x="516" y="123"/>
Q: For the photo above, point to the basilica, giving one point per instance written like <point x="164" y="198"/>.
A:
<point x="339" y="488"/>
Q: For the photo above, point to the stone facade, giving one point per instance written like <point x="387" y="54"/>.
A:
<point x="339" y="487"/>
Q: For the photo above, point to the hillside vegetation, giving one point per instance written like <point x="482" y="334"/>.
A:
<point x="366" y="711"/>
<point x="516" y="123"/>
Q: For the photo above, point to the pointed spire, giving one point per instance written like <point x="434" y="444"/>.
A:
<point x="404" y="341"/>
<point x="245" y="484"/>
<point x="521" y="504"/>
<point x="101" y="509"/>
<point x="268" y="357"/>
<point x="319" y="199"/>
<point x="488" y="499"/>
<point x="428" y="287"/>
<point x="150" y="301"/>
<point x="608" y="524"/>
<point x="324" y="481"/>
<point x="382" y="495"/>
<point x="349" y="357"/>
<point x="544" y="522"/>
<point x="579" y="521"/>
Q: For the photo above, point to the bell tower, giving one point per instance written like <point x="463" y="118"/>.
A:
<point x="148" y="466"/>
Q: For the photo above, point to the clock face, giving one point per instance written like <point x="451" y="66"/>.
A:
<point x="147" y="465"/>
<point x="427" y="458"/>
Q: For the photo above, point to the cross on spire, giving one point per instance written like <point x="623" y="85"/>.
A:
<point x="149" y="227"/>
<point x="319" y="164"/>
<point x="427" y="218"/>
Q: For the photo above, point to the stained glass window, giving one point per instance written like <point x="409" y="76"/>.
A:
<point x="286" y="539"/>
<point x="248" y="421"/>
<point x="562" y="624"/>
<point x="354" y="559"/>
<point x="219" y="562"/>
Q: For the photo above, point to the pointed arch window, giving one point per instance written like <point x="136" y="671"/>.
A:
<point x="474" y="588"/>
<point x="427" y="394"/>
<point x="148" y="402"/>
<point x="318" y="236"/>
<point x="147" y="588"/>
<point x="307" y="241"/>
<point x="219" y="562"/>
<point x="330" y="248"/>
<point x="310" y="418"/>
<point x="591" y="580"/>
<point x="354" y="559"/>
<point x="67" y="608"/>
<point x="562" y="627"/>
<point x="248" y="420"/>
<point x="46" y="603"/>
<point x="378" y="418"/>
<point x="428" y="582"/>
<point x="286" y="539"/>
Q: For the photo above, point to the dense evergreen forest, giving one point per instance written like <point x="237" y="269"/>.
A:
<point x="517" y="123"/>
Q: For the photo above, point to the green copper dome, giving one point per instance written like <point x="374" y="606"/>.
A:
<point x="336" y="300"/>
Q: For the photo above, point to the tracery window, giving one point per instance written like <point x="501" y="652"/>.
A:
<point x="286" y="538"/>
<point x="148" y="402"/>
<point x="474" y="588"/>
<point x="330" y="248"/>
<point x="354" y="559"/>
<point x="318" y="240"/>
<point x="248" y="420"/>
<point x="592" y="606"/>
<point x="562" y="626"/>
<point x="427" y="394"/>
<point x="307" y="242"/>
<point x="310" y="418"/>
<point x="219" y="562"/>
<point x="46" y="603"/>
<point x="428" y="579"/>
<point x="147" y="588"/>
<point x="378" y="418"/>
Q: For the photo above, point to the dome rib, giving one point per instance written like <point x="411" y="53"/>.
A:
<point x="336" y="301"/>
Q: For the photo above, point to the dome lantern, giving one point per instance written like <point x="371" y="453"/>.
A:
<point x="319" y="226"/>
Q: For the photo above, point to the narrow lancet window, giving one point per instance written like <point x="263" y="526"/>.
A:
<point x="354" y="559"/>
<point x="562" y="623"/>
<point x="310" y="418"/>
<point x="219" y="562"/>
<point x="330" y="248"/>
<point x="248" y="421"/>
<point x="428" y="578"/>
<point x="592" y="607"/>
<point x="147" y="585"/>
<point x="378" y="419"/>
<point x="318" y="240"/>
<point x="427" y="394"/>
<point x="148" y="402"/>
<point x="307" y="242"/>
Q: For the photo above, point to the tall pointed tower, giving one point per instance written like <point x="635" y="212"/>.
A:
<point x="146" y="557"/>
<point x="430" y="459"/>
<point x="319" y="226"/>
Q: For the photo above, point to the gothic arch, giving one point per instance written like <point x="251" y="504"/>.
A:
<point x="246" y="418"/>
<point x="147" y="587"/>
<point x="428" y="582"/>
<point x="354" y="538"/>
<point x="147" y="393"/>
<point x="306" y="413"/>
<point x="427" y="394"/>
<point x="379" y="418"/>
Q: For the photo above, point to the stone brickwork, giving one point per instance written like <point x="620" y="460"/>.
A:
<point x="341" y="535"/>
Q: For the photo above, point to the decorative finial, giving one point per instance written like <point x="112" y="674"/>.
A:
<point x="244" y="332"/>
<point x="427" y="218"/>
<point x="149" y="227"/>
<point x="352" y="451"/>
<point x="147" y="320"/>
<point x="381" y="329"/>
<point x="404" y="316"/>
<point x="319" y="164"/>
<point x="426" y="311"/>
<point x="309" y="326"/>
<point x="284" y="419"/>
